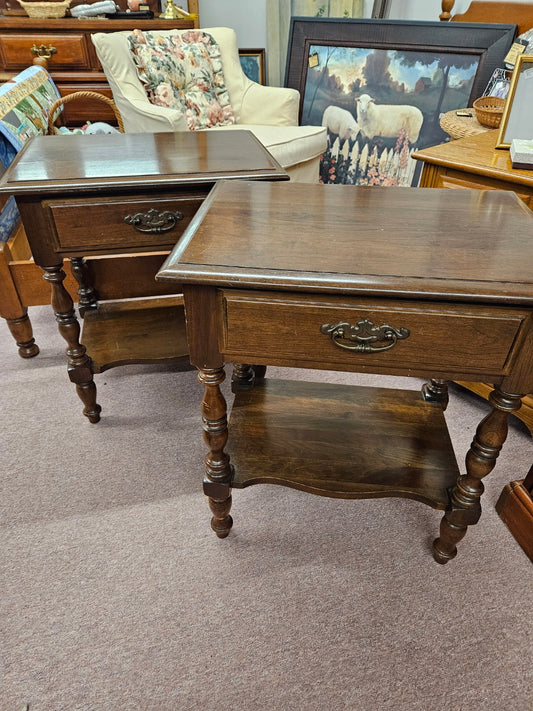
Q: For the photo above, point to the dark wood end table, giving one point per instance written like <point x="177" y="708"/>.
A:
<point x="363" y="280"/>
<point x="122" y="201"/>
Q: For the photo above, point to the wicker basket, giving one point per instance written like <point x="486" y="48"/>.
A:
<point x="45" y="9"/>
<point x="489" y="110"/>
<point x="81" y="95"/>
<point x="461" y="126"/>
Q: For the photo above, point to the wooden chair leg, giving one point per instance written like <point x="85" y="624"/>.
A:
<point x="22" y="332"/>
<point x="13" y="310"/>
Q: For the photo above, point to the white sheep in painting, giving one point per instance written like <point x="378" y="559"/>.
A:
<point x="387" y="120"/>
<point x="341" y="123"/>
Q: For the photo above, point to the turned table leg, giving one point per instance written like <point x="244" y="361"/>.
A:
<point x="436" y="390"/>
<point x="217" y="481"/>
<point x="465" y="507"/>
<point x="244" y="376"/>
<point x="87" y="299"/>
<point x="79" y="364"/>
<point x="22" y="332"/>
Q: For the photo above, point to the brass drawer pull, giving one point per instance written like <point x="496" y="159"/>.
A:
<point x="153" y="221"/>
<point x="43" y="52"/>
<point x="363" y="335"/>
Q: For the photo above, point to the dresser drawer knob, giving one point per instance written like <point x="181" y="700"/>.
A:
<point x="364" y="337"/>
<point x="153" y="221"/>
<point x="43" y="52"/>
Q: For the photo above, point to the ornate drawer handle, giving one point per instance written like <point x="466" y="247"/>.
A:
<point x="363" y="335"/>
<point x="154" y="221"/>
<point x="44" y="52"/>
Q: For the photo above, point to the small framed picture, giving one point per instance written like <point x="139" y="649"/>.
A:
<point x="253" y="64"/>
<point x="517" y="119"/>
<point x="499" y="83"/>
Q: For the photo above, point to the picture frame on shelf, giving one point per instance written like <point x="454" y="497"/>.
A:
<point x="499" y="83"/>
<point x="517" y="119"/>
<point x="407" y="73"/>
<point x="253" y="64"/>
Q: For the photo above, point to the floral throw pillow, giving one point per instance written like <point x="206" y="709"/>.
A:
<point x="183" y="71"/>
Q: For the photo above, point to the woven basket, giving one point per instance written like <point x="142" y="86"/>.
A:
<point x="45" y="9"/>
<point x="82" y="95"/>
<point x="461" y="126"/>
<point x="489" y="110"/>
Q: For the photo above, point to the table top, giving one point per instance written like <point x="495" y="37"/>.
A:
<point x="53" y="164"/>
<point x="476" y="154"/>
<point x="401" y="242"/>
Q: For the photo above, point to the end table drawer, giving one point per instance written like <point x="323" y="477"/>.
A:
<point x="104" y="225"/>
<point x="386" y="334"/>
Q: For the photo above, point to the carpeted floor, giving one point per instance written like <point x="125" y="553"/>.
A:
<point x="115" y="594"/>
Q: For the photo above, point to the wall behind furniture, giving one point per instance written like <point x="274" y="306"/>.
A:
<point x="248" y="19"/>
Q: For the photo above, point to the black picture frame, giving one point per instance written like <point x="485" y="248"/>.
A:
<point x="486" y="45"/>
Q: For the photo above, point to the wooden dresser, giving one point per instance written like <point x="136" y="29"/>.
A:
<point x="69" y="55"/>
<point x="474" y="162"/>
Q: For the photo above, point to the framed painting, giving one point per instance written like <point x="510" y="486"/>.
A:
<point x="253" y="64"/>
<point x="381" y="86"/>
<point x="517" y="119"/>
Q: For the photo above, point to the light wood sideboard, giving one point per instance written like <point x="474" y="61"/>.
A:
<point x="474" y="162"/>
<point x="64" y="46"/>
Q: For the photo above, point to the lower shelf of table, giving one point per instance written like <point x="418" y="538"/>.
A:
<point x="341" y="441"/>
<point x="136" y="331"/>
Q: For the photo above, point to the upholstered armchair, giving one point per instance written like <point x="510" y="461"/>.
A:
<point x="271" y="113"/>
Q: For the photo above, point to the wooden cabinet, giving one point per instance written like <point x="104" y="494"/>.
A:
<point x="69" y="55"/>
<point x="474" y="162"/>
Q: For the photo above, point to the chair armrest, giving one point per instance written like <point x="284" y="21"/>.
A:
<point x="141" y="116"/>
<point x="269" y="105"/>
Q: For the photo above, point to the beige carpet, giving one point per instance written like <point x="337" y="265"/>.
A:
<point x="115" y="594"/>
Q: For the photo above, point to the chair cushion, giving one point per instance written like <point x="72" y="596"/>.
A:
<point x="289" y="145"/>
<point x="183" y="71"/>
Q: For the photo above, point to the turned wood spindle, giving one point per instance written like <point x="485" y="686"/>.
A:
<point x="87" y="298"/>
<point x="78" y="362"/>
<point x="218" y="471"/>
<point x="22" y="332"/>
<point x="446" y="6"/>
<point x="465" y="506"/>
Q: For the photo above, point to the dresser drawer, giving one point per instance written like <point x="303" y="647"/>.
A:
<point x="389" y="334"/>
<point x="71" y="50"/>
<point x="469" y="181"/>
<point x="101" y="225"/>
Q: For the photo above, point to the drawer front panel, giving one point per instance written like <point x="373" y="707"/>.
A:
<point x="71" y="51"/>
<point x="462" y="338"/>
<point x="104" y="225"/>
<point x="462" y="181"/>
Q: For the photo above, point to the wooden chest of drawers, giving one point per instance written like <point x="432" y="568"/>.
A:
<point x="69" y="55"/>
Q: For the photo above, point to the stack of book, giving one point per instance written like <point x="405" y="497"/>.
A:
<point x="521" y="153"/>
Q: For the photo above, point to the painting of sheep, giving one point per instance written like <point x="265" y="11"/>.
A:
<point x="387" y="120"/>
<point x="380" y="105"/>
<point x="340" y="124"/>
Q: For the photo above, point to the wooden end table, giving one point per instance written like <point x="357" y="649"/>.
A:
<point x="363" y="280"/>
<point x="122" y="200"/>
